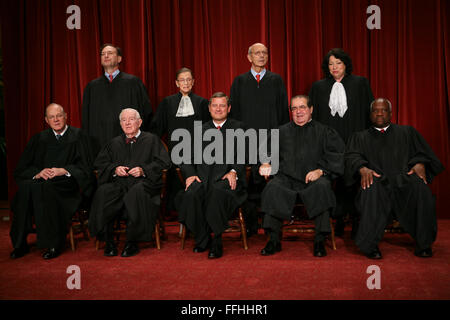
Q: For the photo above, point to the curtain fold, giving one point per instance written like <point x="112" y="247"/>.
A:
<point x="406" y="61"/>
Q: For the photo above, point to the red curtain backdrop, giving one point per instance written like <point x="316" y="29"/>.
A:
<point x="406" y="61"/>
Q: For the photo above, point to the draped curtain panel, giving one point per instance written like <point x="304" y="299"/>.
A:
<point x="406" y="61"/>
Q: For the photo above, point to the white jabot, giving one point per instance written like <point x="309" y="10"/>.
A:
<point x="185" y="108"/>
<point x="338" y="100"/>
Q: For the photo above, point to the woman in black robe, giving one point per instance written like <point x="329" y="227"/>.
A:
<point x="341" y="100"/>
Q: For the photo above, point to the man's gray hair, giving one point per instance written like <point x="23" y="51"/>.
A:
<point x="53" y="104"/>
<point x="138" y="116"/>
<point x="381" y="99"/>
<point x="250" y="48"/>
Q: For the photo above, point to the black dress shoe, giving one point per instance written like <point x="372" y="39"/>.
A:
<point x="51" y="253"/>
<point x="270" y="248"/>
<point x="199" y="249"/>
<point x="19" y="252"/>
<point x="426" y="253"/>
<point x="110" y="250"/>
<point x="375" y="254"/>
<point x="319" y="249"/>
<point x="216" y="250"/>
<point x="131" y="249"/>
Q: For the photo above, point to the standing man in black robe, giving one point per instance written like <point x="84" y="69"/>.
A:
<point x="213" y="191"/>
<point x="258" y="99"/>
<point x="130" y="180"/>
<point x="341" y="100"/>
<point x="179" y="111"/>
<point x="394" y="164"/>
<point x="311" y="155"/>
<point x="106" y="96"/>
<point x="52" y="174"/>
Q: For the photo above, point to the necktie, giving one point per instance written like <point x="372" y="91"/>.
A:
<point x="218" y="127"/>
<point x="382" y="131"/>
<point x="129" y="140"/>
<point x="58" y="136"/>
<point x="111" y="78"/>
<point x="257" y="78"/>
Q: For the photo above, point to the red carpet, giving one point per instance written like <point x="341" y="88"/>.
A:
<point x="175" y="274"/>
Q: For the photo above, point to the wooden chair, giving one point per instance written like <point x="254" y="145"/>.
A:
<point x="79" y="224"/>
<point x="237" y="224"/>
<point x="301" y="223"/>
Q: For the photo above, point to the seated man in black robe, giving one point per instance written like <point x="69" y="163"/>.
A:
<point x="130" y="180"/>
<point x="52" y="173"/>
<point x="213" y="191"/>
<point x="311" y="155"/>
<point x="394" y="164"/>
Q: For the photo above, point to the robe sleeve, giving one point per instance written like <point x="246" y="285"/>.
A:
<point x="159" y="122"/>
<point x="159" y="160"/>
<point x="204" y="107"/>
<point x="283" y="105"/>
<point x="354" y="158"/>
<point x="235" y="111"/>
<point x="421" y="152"/>
<point x="105" y="165"/>
<point x="85" y="109"/>
<point x="332" y="161"/>
<point x="144" y="101"/>
<point x="26" y="168"/>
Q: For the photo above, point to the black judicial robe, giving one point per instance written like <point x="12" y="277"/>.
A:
<point x="139" y="196"/>
<point x="359" y="96"/>
<point x="209" y="205"/>
<point x="103" y="101"/>
<point x="263" y="106"/>
<point x="52" y="201"/>
<point x="165" y="120"/>
<point x="303" y="149"/>
<point x="392" y="154"/>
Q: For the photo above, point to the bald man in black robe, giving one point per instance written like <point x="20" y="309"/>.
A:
<point x="394" y="164"/>
<point x="53" y="173"/>
<point x="311" y="155"/>
<point x="130" y="181"/>
<point x="258" y="99"/>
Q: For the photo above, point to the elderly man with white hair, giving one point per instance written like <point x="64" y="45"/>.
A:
<point x="130" y="179"/>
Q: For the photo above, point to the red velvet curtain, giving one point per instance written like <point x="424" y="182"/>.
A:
<point x="407" y="60"/>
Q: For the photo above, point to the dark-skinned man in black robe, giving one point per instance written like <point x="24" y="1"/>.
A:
<point x="213" y="191"/>
<point x="311" y="155"/>
<point x="106" y="96"/>
<point x="258" y="99"/>
<point x="174" y="112"/>
<point x="53" y="173"/>
<point x="130" y="181"/>
<point x="394" y="164"/>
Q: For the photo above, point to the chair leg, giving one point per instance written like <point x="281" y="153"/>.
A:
<point x="183" y="235"/>
<point x="97" y="244"/>
<point x="333" y="242"/>
<point x="72" y="242"/>
<point x="157" y="235"/>
<point x="243" y="229"/>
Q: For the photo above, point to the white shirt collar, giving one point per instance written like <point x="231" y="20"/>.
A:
<point x="385" y="128"/>
<point x="62" y="133"/>
<point x="219" y="124"/>
<point x="254" y="73"/>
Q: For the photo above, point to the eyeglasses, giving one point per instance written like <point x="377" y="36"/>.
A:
<point x="128" y="119"/>
<point x="189" y="80"/>
<point x="215" y="105"/>
<point x="295" y="108"/>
